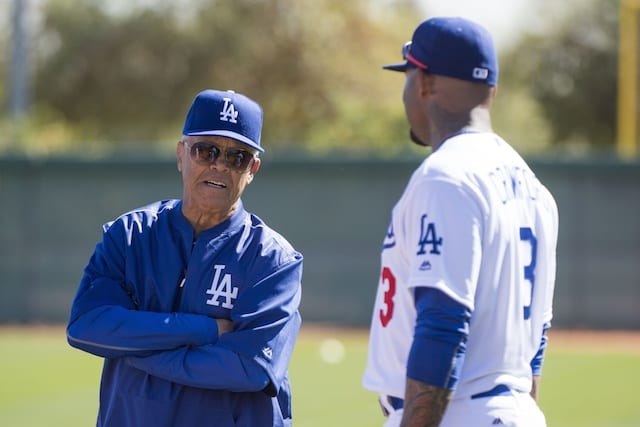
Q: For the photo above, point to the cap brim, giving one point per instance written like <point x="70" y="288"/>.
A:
<point x="396" y="67"/>
<point x="229" y="134"/>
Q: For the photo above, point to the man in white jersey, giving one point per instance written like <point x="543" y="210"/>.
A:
<point x="468" y="262"/>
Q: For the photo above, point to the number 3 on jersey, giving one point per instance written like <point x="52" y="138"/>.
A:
<point x="386" y="312"/>
<point x="526" y="235"/>
<point x="387" y="277"/>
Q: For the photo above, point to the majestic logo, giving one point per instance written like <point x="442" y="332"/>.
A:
<point x="229" y="112"/>
<point x="221" y="287"/>
<point x="389" y="238"/>
<point x="268" y="352"/>
<point x="425" y="266"/>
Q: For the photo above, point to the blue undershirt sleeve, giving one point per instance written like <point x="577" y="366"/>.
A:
<point x="538" y="359"/>
<point x="439" y="341"/>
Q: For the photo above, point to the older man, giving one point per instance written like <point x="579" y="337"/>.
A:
<point x="193" y="303"/>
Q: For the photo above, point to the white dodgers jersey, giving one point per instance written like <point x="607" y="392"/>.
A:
<point x="475" y="223"/>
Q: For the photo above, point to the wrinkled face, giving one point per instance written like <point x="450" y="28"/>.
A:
<point x="215" y="171"/>
<point x="413" y="97"/>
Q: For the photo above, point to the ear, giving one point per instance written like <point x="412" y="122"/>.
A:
<point x="256" y="165"/>
<point x="179" y="153"/>
<point x="493" y="93"/>
<point x="254" y="169"/>
<point x="426" y="83"/>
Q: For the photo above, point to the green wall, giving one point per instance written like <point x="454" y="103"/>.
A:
<point x="336" y="213"/>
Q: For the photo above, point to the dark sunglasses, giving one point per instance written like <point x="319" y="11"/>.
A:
<point x="405" y="50"/>
<point x="411" y="61"/>
<point x="206" y="153"/>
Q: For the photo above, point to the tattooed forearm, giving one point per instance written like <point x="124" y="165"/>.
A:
<point x="424" y="404"/>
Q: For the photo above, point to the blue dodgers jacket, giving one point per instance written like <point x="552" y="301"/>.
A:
<point x="148" y="301"/>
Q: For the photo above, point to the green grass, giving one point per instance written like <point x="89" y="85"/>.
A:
<point x="47" y="383"/>
<point x="591" y="388"/>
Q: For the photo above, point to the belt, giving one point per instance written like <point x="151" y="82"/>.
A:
<point x="388" y="403"/>
<point x="397" y="403"/>
<point x="499" y="390"/>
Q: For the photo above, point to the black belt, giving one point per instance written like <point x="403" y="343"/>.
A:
<point x="499" y="390"/>
<point x="395" y="402"/>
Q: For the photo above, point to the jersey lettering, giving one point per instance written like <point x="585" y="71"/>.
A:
<point x="513" y="182"/>
<point x="222" y="287"/>
<point x="386" y="312"/>
<point x="229" y="112"/>
<point x="428" y="237"/>
<point x="529" y="270"/>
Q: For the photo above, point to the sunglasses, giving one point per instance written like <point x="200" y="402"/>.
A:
<point x="406" y="48"/>
<point x="406" y="55"/>
<point x="205" y="153"/>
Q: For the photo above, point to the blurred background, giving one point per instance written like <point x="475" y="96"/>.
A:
<point x="95" y="94"/>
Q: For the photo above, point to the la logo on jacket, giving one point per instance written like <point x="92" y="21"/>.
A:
<point x="222" y="287"/>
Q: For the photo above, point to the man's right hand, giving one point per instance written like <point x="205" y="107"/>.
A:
<point x="224" y="325"/>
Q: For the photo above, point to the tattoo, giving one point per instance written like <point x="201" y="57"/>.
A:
<point x="424" y="404"/>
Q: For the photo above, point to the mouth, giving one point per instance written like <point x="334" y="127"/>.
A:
<point x="215" y="184"/>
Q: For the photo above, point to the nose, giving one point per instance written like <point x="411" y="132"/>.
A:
<point x="220" y="162"/>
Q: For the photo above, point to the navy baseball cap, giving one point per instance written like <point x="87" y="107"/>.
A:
<point x="225" y="113"/>
<point x="453" y="47"/>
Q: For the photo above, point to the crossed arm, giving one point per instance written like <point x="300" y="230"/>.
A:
<point x="194" y="349"/>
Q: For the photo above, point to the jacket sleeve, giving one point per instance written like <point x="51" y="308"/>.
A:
<point x="256" y="354"/>
<point x="105" y="321"/>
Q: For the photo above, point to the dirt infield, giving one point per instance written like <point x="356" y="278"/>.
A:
<point x="626" y="341"/>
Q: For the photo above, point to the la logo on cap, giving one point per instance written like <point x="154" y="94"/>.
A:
<point x="229" y="112"/>
<point x="217" y="113"/>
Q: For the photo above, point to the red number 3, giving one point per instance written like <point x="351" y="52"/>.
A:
<point x="386" y="312"/>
